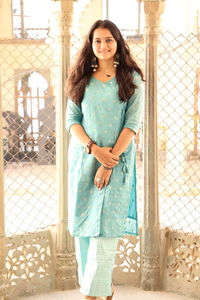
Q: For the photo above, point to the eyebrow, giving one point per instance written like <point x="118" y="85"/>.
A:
<point x="108" y="37"/>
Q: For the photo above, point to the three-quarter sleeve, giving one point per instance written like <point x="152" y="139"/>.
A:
<point x="134" y="109"/>
<point x="73" y="115"/>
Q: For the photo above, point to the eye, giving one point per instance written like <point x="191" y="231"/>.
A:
<point x="109" y="40"/>
<point x="97" y="41"/>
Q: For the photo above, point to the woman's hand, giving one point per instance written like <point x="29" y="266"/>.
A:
<point x="104" y="156"/>
<point x="102" y="177"/>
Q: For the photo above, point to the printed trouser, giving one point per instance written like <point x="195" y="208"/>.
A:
<point x="95" y="257"/>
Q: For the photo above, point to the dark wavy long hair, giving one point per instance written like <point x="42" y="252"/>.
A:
<point x="81" y="72"/>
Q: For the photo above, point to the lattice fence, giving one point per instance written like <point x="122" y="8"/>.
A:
<point x="179" y="131"/>
<point x="179" y="163"/>
<point x="29" y="75"/>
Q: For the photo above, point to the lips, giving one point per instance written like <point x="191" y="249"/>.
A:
<point x="105" y="52"/>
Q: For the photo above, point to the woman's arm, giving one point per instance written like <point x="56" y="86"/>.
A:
<point x="123" y="141"/>
<point x="102" y="154"/>
<point x="74" y="126"/>
<point x="79" y="133"/>
<point x="132" y="120"/>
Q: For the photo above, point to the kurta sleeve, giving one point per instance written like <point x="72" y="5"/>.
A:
<point x="133" y="114"/>
<point x="74" y="114"/>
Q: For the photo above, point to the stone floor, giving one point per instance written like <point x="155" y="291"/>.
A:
<point x="122" y="293"/>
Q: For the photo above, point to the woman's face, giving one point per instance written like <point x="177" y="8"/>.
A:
<point x="103" y="44"/>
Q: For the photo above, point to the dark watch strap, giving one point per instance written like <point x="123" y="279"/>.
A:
<point x="88" y="146"/>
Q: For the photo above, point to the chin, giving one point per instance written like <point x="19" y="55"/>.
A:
<point x="103" y="57"/>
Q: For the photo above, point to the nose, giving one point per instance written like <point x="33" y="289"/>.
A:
<point x="103" y="44"/>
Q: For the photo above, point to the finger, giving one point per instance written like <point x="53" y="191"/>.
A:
<point x="114" y="162"/>
<point x="106" y="182"/>
<point x="96" y="182"/>
<point x="115" y="157"/>
<point x="108" y="168"/>
<point x="103" y="183"/>
<point x="101" y="186"/>
<point x="98" y="185"/>
<point x="109" y="165"/>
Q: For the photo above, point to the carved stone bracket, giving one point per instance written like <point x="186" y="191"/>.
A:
<point x="63" y="16"/>
<point x="150" y="262"/>
<point x="153" y="11"/>
<point x="64" y="20"/>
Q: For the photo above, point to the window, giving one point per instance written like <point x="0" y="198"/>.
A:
<point x="127" y="15"/>
<point x="30" y="19"/>
<point x="35" y="107"/>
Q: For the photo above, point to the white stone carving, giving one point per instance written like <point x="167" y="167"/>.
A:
<point x="127" y="263"/>
<point x="29" y="264"/>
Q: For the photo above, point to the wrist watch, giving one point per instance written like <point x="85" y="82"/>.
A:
<point x="88" y="146"/>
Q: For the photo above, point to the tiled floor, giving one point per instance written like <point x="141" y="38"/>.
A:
<point x="122" y="293"/>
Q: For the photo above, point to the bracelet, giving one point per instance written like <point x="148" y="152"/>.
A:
<point x="106" y="168"/>
<point x="88" y="146"/>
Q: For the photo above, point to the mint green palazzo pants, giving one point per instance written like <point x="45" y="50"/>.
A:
<point x="95" y="257"/>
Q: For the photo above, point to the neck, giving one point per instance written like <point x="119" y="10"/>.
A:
<point x="106" y="66"/>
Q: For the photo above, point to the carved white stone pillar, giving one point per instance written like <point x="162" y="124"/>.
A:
<point x="2" y="221"/>
<point x="150" y="263"/>
<point x="66" y="263"/>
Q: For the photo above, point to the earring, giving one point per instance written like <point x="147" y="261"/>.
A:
<point x="94" y="64"/>
<point x="116" y="60"/>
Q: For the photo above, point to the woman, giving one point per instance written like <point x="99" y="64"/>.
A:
<point x="103" y="115"/>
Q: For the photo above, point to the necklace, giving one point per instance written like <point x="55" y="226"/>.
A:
<point x="107" y="74"/>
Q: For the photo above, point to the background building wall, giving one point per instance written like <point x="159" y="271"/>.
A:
<point x="180" y="16"/>
<point x="5" y="19"/>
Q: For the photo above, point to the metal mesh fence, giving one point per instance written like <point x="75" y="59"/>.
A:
<point x="179" y="131"/>
<point x="29" y="74"/>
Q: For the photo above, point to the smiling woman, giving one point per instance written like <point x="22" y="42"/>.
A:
<point x="103" y="115"/>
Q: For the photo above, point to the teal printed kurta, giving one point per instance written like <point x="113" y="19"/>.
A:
<point x="112" y="211"/>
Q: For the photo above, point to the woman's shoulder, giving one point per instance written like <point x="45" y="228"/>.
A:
<point x="136" y="77"/>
